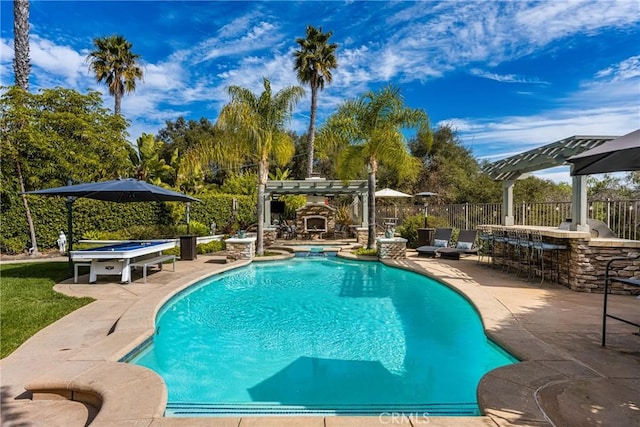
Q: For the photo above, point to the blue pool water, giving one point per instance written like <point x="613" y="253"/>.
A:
<point x="320" y="335"/>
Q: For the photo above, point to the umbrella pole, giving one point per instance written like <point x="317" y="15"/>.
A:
<point x="69" y="204"/>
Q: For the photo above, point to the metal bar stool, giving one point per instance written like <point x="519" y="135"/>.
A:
<point x="485" y="236"/>
<point x="540" y="248"/>
<point x="524" y="252"/>
<point x="499" y="237"/>
<point x="555" y="249"/>
<point x="537" y="255"/>
<point x="513" y="252"/>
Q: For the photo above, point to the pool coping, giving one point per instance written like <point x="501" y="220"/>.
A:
<point x="93" y="375"/>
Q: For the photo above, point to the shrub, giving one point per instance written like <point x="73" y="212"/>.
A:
<point x="195" y="228"/>
<point x="213" y="246"/>
<point x="14" y="245"/>
<point x="365" y="251"/>
<point x="409" y="229"/>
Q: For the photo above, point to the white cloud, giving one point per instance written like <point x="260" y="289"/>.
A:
<point x="62" y="62"/>
<point x="504" y="78"/>
<point x="627" y="69"/>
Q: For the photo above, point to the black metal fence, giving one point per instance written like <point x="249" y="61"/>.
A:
<point x="622" y="216"/>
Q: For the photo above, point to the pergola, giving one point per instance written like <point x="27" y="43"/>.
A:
<point x="555" y="154"/>
<point x="316" y="187"/>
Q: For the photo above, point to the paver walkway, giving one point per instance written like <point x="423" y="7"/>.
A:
<point x="566" y="379"/>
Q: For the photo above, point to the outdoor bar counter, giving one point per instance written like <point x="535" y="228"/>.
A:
<point x="584" y="261"/>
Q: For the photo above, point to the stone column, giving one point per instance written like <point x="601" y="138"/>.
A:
<point x="362" y="235"/>
<point x="392" y="248"/>
<point x="241" y="248"/>
<point x="270" y="235"/>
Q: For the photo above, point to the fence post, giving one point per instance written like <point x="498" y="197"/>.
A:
<point x="466" y="216"/>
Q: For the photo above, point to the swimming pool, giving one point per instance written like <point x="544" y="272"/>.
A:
<point x="320" y="336"/>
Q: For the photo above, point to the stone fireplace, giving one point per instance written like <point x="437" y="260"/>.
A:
<point x="315" y="218"/>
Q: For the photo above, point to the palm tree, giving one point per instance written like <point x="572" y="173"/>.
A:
<point x="21" y="66"/>
<point x="113" y="62"/>
<point x="368" y="132"/>
<point x="21" y="69"/>
<point x="149" y="164"/>
<point x="313" y="63"/>
<point x="252" y="129"/>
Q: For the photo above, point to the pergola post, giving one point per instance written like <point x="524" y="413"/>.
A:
<point x="579" y="203"/>
<point x="267" y="210"/>
<point x="507" y="202"/>
<point x="365" y="211"/>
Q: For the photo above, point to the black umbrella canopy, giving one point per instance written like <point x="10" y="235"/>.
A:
<point x="119" y="191"/>
<point x="618" y="155"/>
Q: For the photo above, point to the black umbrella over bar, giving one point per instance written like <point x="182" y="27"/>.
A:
<point x="120" y="190"/>
<point x="618" y="155"/>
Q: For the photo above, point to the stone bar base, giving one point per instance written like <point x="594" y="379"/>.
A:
<point x="393" y="248"/>
<point x="270" y="235"/>
<point x="362" y="235"/>
<point x="588" y="262"/>
<point x="238" y="248"/>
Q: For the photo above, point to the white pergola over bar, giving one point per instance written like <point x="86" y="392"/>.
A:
<point x="555" y="154"/>
<point x="316" y="187"/>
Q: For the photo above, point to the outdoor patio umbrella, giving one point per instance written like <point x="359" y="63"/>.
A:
<point x="388" y="193"/>
<point x="119" y="190"/>
<point x="618" y="155"/>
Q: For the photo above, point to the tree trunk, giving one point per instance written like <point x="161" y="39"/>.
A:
<point x="21" y="66"/>
<point x="312" y="128"/>
<point x="263" y="173"/>
<point x="21" y="69"/>
<point x="118" y="101"/>
<point x="371" y="238"/>
<point x="32" y="231"/>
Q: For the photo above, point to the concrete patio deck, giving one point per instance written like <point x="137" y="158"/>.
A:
<point x="68" y="374"/>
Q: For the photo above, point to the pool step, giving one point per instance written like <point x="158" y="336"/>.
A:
<point x="177" y="409"/>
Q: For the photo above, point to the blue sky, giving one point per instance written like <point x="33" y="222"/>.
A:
<point x="509" y="75"/>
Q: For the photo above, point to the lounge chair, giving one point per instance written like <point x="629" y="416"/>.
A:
<point x="441" y="240"/>
<point x="466" y="246"/>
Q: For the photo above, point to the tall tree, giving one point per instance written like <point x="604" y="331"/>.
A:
<point x="369" y="132"/>
<point x="113" y="62"/>
<point x="55" y="135"/>
<point x="21" y="69"/>
<point x="252" y="128"/>
<point x="313" y="64"/>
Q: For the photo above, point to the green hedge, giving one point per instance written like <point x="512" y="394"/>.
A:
<point x="92" y="216"/>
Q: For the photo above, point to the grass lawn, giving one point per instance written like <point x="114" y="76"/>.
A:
<point x="28" y="302"/>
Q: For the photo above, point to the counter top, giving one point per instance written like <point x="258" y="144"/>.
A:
<point x="548" y="231"/>
<point x="568" y="234"/>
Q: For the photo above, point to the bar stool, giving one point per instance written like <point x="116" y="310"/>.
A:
<point x="524" y="252"/>
<point x="485" y="236"/>
<point x="537" y="254"/>
<point x="499" y="236"/>
<point x="555" y="249"/>
<point x="539" y="247"/>
<point x="513" y="250"/>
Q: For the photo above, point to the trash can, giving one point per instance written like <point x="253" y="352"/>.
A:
<point x="425" y="236"/>
<point x="188" y="251"/>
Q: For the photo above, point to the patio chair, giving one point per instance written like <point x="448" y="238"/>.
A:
<point x="441" y="240"/>
<point x="466" y="246"/>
